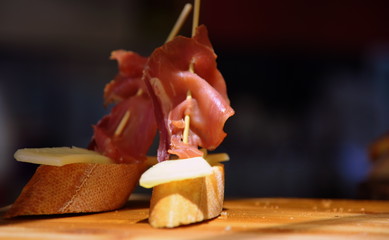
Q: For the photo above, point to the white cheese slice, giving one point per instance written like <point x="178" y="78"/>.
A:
<point x="59" y="156"/>
<point x="212" y="159"/>
<point x="174" y="170"/>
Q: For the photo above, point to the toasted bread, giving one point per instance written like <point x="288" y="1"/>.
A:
<point x="187" y="201"/>
<point x="76" y="188"/>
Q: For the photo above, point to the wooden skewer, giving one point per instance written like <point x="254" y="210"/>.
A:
<point x="196" y="15"/>
<point x="191" y="67"/>
<point x="185" y="134"/>
<point x="122" y="123"/>
<point x="177" y="26"/>
<point x="139" y="92"/>
<point x="180" y="21"/>
<point x="119" y="129"/>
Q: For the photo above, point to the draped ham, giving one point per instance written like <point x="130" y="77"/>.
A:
<point x="129" y="79"/>
<point x="131" y="143"/>
<point x="168" y="77"/>
<point x="152" y="91"/>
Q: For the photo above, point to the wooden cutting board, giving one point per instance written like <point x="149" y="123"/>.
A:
<point x="254" y="218"/>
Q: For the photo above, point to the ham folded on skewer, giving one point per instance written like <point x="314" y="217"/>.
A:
<point x="182" y="65"/>
<point x="161" y="82"/>
<point x="127" y="132"/>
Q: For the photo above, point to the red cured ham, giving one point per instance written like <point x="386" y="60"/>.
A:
<point x="129" y="79"/>
<point x="182" y="65"/>
<point x="133" y="142"/>
<point x="127" y="132"/>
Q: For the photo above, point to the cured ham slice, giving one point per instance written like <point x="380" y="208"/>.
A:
<point x="132" y="143"/>
<point x="129" y="79"/>
<point x="127" y="132"/>
<point x="182" y="65"/>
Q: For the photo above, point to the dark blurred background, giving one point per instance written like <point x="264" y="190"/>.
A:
<point x="309" y="81"/>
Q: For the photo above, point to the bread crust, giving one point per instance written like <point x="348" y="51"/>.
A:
<point x="187" y="201"/>
<point x="76" y="188"/>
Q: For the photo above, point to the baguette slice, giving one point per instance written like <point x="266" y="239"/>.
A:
<point x="187" y="201"/>
<point x="76" y="188"/>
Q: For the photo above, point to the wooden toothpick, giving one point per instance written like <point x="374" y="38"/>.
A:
<point x="196" y="16"/>
<point x="122" y="123"/>
<point x="185" y="134"/>
<point x="180" y="21"/>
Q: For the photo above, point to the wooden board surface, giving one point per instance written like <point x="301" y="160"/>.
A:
<point x="256" y="218"/>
